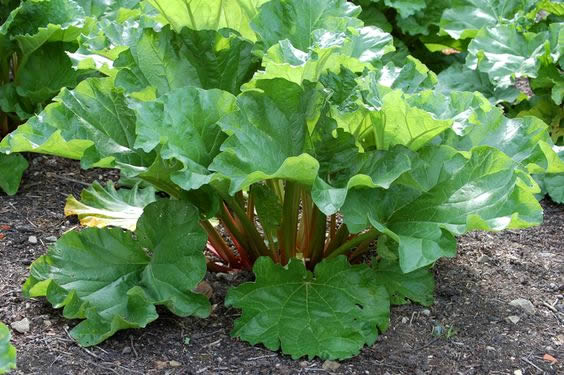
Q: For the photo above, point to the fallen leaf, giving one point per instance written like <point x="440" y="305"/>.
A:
<point x="174" y="364"/>
<point x="204" y="288"/>
<point x="2" y="236"/>
<point x="5" y="227"/>
<point x="549" y="358"/>
<point x="161" y="364"/>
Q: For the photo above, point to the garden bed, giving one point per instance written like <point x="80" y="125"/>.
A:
<point x="470" y="312"/>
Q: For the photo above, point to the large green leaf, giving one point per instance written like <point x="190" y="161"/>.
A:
<point x="210" y="14"/>
<point x="113" y="279"/>
<point x="296" y="20"/>
<point x="446" y="193"/>
<point x="331" y="52"/>
<point x="12" y="167"/>
<point x="101" y="206"/>
<point x="166" y="60"/>
<point x="464" y="18"/>
<point x="505" y="54"/>
<point x="269" y="135"/>
<point x="37" y="22"/>
<point x="458" y="77"/>
<point x="7" y="350"/>
<point x="185" y="123"/>
<point x="91" y="122"/>
<point x="331" y="313"/>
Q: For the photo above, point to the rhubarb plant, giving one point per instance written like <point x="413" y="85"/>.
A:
<point x="250" y="137"/>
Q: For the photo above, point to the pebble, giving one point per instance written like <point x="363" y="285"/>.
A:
<point x="523" y="304"/>
<point x="517" y="372"/>
<point x="304" y="364"/>
<point x="426" y="312"/>
<point x="513" y="319"/>
<point x="484" y="259"/>
<point x="174" y="364"/>
<point x="32" y="239"/>
<point x="51" y="239"/>
<point x="21" y="326"/>
<point x="126" y="350"/>
<point x="404" y="320"/>
<point x="330" y="365"/>
<point x="490" y="348"/>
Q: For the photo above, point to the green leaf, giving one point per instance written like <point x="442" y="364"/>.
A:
<point x="210" y="14"/>
<point x="554" y="185"/>
<point x="296" y="20"/>
<point x="45" y="72"/>
<point x="464" y="18"/>
<point x="12" y="167"/>
<point x="166" y="60"/>
<point x="7" y="350"/>
<point x="458" y="77"/>
<point x="268" y="136"/>
<point x="185" y="123"/>
<point x="330" y="313"/>
<point x="505" y="54"/>
<point x="105" y="206"/>
<point x="91" y="122"/>
<point x="417" y="286"/>
<point x="421" y="212"/>
<point x="268" y="207"/>
<point x="114" y="279"/>
<point x="37" y="22"/>
<point x="406" y="8"/>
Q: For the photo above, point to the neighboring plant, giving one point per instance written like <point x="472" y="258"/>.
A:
<point x="36" y="38"/>
<point x="510" y="51"/>
<point x="282" y="136"/>
<point x="7" y="351"/>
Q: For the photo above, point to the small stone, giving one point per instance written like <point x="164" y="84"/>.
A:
<point x="553" y="286"/>
<point x="47" y="323"/>
<point x="517" y="372"/>
<point x="304" y="364"/>
<point x="523" y="304"/>
<point x="490" y="348"/>
<point x="330" y="365"/>
<point x="32" y="239"/>
<point x="51" y="239"/>
<point x="426" y="312"/>
<point x="21" y="326"/>
<point x="174" y="364"/>
<point x="484" y="259"/>
<point x="405" y="319"/>
<point x="126" y="350"/>
<point x="513" y="319"/>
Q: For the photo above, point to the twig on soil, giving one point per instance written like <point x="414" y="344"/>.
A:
<point x="532" y="364"/>
<point x="133" y="347"/>
<point x="69" y="179"/>
<point x="212" y="343"/>
<point x="261" y="357"/>
<point x="103" y="367"/>
<point x="550" y="307"/>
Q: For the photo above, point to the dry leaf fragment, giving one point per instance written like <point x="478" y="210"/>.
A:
<point x="549" y="358"/>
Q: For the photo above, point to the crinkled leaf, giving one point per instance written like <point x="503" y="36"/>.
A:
<point x="268" y="136"/>
<point x="417" y="286"/>
<point x="504" y="54"/>
<point x="554" y="185"/>
<point x="91" y="122"/>
<point x="101" y="206"/>
<point x="113" y="279"/>
<point x="185" y="123"/>
<point x="12" y="167"/>
<point x="464" y="18"/>
<point x="296" y="20"/>
<point x="37" y="22"/>
<point x="458" y="77"/>
<point x="166" y="60"/>
<point x="7" y="350"/>
<point x="210" y="14"/>
<point x="422" y="212"/>
<point x="330" y="313"/>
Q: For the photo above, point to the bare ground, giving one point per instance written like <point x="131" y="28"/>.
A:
<point x="472" y="306"/>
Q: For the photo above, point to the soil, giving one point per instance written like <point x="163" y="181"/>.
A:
<point x="470" y="312"/>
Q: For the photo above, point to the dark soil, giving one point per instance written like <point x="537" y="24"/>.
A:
<point x="472" y="306"/>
